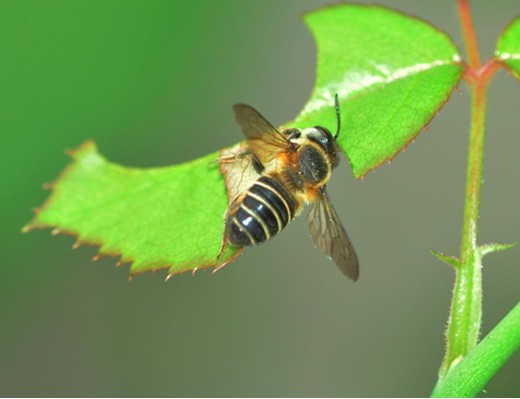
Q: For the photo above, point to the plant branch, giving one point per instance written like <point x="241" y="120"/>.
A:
<point x="468" y="31"/>
<point x="472" y="374"/>
<point x="464" y="321"/>
<point x="466" y="307"/>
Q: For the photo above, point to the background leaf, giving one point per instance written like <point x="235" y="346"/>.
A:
<point x="155" y="218"/>
<point x="392" y="73"/>
<point x="508" y="47"/>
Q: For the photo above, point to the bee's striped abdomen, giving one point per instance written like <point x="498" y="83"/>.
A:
<point x="265" y="209"/>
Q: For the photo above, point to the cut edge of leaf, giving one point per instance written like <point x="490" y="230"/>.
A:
<point x="400" y="12"/>
<point x="459" y="60"/>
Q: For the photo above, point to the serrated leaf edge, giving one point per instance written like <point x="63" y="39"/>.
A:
<point x="180" y="268"/>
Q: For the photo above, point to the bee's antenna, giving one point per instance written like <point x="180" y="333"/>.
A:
<point x="338" y="117"/>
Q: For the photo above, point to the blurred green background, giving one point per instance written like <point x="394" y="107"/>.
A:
<point x="152" y="82"/>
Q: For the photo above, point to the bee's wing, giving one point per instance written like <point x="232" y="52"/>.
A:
<point x="330" y="236"/>
<point x="263" y="138"/>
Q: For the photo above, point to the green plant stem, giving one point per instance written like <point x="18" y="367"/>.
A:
<point x="466" y="308"/>
<point x="471" y="375"/>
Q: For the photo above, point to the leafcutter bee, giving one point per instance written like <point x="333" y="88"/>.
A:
<point x="272" y="175"/>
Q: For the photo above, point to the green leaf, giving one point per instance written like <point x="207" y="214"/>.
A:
<point x="508" y="48"/>
<point x="470" y="376"/>
<point x="392" y="73"/>
<point x="155" y="218"/>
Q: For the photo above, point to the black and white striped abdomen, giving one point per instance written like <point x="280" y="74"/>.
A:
<point x="265" y="209"/>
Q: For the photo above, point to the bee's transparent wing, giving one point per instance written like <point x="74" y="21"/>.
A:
<point x="264" y="139"/>
<point x="253" y="124"/>
<point x="330" y="236"/>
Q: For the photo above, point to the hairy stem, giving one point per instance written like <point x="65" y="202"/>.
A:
<point x="466" y="308"/>
<point x="472" y="374"/>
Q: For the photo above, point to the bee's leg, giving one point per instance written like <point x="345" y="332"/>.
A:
<point x="219" y="264"/>
<point x="224" y="244"/>
<point x="257" y="165"/>
<point x="228" y="158"/>
<point x="255" y="162"/>
<point x="227" y="262"/>
<point x="232" y="157"/>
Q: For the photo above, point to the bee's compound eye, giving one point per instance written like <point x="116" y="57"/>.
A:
<point x="322" y="136"/>
<point x="325" y="132"/>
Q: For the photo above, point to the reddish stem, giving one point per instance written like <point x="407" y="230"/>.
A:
<point x="468" y="30"/>
<point x="481" y="76"/>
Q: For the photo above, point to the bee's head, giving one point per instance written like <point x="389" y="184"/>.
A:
<point x="322" y="136"/>
<point x="319" y="135"/>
